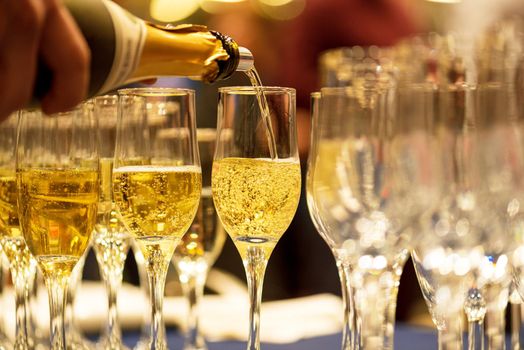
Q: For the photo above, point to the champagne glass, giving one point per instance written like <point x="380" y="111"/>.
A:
<point x="200" y="246"/>
<point x="57" y="176"/>
<point x="499" y="167"/>
<point x="256" y="179"/>
<point x="156" y="184"/>
<point x="21" y="263"/>
<point x="369" y="185"/>
<point x="111" y="240"/>
<point x="348" y="335"/>
<point x="445" y="251"/>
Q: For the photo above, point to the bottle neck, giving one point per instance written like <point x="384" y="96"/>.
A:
<point x="191" y="51"/>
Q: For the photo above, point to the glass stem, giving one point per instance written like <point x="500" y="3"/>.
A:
<point x="497" y="297"/>
<point x="22" y="309"/>
<point x="347" y="303"/>
<point x="372" y="293"/>
<point x="144" y="285"/>
<point x="389" y="339"/>
<point x="255" y="266"/>
<point x="193" y="287"/>
<point x="516" y="322"/>
<point x="157" y="265"/>
<point x="113" y="284"/>
<point x="475" y="334"/>
<point x="57" y="290"/>
<point x="450" y="337"/>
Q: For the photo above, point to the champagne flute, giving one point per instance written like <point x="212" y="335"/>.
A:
<point x="256" y="179"/>
<point x="200" y="246"/>
<point x="156" y="184"/>
<point x="111" y="241"/>
<point x="369" y="185"/>
<point x="57" y="176"/>
<point x="348" y="335"/>
<point x="22" y="264"/>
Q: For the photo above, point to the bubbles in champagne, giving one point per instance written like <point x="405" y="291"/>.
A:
<point x="58" y="213"/>
<point x="256" y="199"/>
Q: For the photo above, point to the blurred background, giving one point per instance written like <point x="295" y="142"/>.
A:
<point x="287" y="38"/>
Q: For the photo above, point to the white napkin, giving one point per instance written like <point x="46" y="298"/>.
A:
<point x="223" y="317"/>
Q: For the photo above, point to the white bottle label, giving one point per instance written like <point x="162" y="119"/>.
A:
<point x="130" y="35"/>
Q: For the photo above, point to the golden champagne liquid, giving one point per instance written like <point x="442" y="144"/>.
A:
<point x="157" y="204"/>
<point x="205" y="238"/>
<point x="11" y="238"/>
<point x="256" y="199"/>
<point x="111" y="239"/>
<point x="57" y="213"/>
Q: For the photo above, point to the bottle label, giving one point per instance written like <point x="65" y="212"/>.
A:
<point x="130" y="35"/>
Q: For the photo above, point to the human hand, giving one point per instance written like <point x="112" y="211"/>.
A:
<point x="33" y="29"/>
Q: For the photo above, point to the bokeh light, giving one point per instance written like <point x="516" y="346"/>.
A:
<point x="172" y="10"/>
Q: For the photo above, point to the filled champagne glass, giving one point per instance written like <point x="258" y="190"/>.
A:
<point x="156" y="182"/>
<point x="256" y="179"/>
<point x="111" y="241"/>
<point x="21" y="263"/>
<point x="200" y="246"/>
<point x="58" y="185"/>
<point x="348" y="335"/>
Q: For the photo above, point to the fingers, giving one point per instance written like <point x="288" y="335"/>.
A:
<point x="65" y="51"/>
<point x="18" y="51"/>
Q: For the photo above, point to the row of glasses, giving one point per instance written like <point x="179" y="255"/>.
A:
<point x="452" y="158"/>
<point x="63" y="188"/>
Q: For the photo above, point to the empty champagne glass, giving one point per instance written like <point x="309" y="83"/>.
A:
<point x="442" y="255"/>
<point x="348" y="336"/>
<point x="497" y="198"/>
<point x="369" y="185"/>
<point x="200" y="246"/>
<point x="57" y="176"/>
<point x="256" y="179"/>
<point x="156" y="184"/>
<point x="111" y="240"/>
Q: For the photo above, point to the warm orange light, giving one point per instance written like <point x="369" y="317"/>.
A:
<point x="172" y="10"/>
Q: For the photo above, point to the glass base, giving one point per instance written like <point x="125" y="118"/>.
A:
<point x="76" y="341"/>
<point x="143" y="344"/>
<point x="103" y="344"/>
<point x="5" y="343"/>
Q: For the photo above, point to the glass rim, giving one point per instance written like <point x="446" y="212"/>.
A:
<point x="253" y="89"/>
<point x="155" y="91"/>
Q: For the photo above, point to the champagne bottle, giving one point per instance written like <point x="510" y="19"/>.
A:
<point x="125" y="49"/>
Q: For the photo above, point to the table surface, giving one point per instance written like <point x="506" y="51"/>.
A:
<point x="406" y="338"/>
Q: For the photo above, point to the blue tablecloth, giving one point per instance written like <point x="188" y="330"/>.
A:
<point x="406" y="338"/>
